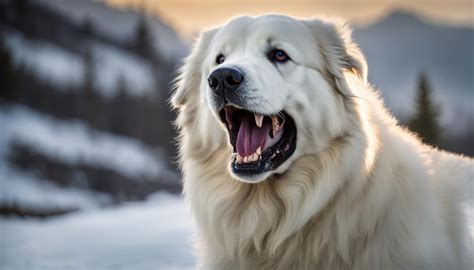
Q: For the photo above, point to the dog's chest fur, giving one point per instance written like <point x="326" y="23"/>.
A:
<point x="255" y="226"/>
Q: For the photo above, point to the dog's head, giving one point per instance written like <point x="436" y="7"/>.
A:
<point x="275" y="85"/>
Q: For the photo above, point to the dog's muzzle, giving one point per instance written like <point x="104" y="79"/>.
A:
<point x="226" y="86"/>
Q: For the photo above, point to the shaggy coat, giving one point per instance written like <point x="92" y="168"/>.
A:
<point x="360" y="191"/>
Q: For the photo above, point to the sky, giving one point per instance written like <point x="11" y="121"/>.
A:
<point x="191" y="16"/>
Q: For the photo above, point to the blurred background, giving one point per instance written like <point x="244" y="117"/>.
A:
<point x="88" y="173"/>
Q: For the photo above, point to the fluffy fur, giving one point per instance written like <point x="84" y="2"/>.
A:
<point x="360" y="192"/>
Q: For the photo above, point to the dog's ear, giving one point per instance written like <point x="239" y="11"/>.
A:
<point x="337" y="49"/>
<point x="189" y="78"/>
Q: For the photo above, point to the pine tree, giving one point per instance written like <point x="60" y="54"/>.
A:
<point x="143" y="39"/>
<point x="88" y="28"/>
<point x="425" y="120"/>
<point x="7" y="74"/>
<point x="89" y="104"/>
<point x="88" y="83"/>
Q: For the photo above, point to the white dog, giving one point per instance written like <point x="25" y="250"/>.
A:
<point x="291" y="161"/>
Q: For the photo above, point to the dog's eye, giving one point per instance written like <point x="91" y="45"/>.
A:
<point x="279" y="56"/>
<point x="220" y="59"/>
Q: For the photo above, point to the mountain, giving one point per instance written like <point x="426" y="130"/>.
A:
<point x="402" y="45"/>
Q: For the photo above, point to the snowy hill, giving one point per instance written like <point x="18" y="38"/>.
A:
<point x="87" y="105"/>
<point x="65" y="68"/>
<point x="73" y="142"/>
<point x="40" y="184"/>
<point x="401" y="45"/>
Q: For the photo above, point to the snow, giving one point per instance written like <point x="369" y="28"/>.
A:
<point x="156" y="234"/>
<point x="63" y="68"/>
<point x="73" y="142"/>
<point x="113" y="64"/>
<point x="120" y="24"/>
<point x="469" y="210"/>
<point x="50" y="62"/>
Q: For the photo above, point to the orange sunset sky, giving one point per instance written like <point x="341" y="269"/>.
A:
<point x="191" y="16"/>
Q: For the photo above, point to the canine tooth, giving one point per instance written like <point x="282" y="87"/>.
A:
<point x="228" y="116"/>
<point x="258" y="119"/>
<point x="274" y="125"/>
<point x="280" y="125"/>
<point x="259" y="150"/>
<point x="246" y="159"/>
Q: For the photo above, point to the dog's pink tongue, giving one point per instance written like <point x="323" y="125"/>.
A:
<point x="250" y="137"/>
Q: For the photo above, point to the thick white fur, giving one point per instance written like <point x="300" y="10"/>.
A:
<point x="360" y="192"/>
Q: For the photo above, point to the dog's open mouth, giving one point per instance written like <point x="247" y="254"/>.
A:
<point x="260" y="142"/>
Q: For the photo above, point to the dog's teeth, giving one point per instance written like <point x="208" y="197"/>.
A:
<point x="258" y="119"/>
<point x="240" y="159"/>
<point x="255" y="157"/>
<point x="280" y="125"/>
<point x="228" y="116"/>
<point x="274" y="125"/>
<point x="247" y="159"/>
<point x="259" y="150"/>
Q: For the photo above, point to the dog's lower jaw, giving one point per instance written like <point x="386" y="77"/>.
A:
<point x="253" y="179"/>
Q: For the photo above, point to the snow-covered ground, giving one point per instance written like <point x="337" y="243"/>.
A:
<point x="156" y="234"/>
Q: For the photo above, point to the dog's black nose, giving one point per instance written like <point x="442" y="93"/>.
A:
<point x="225" y="78"/>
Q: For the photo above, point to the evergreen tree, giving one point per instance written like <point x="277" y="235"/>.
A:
<point x="88" y="28"/>
<point x="88" y="83"/>
<point x="7" y="74"/>
<point x="89" y="104"/>
<point x="425" y="120"/>
<point x="142" y="42"/>
<point x="119" y="120"/>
